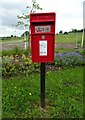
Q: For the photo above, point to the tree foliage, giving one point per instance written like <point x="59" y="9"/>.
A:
<point x="24" y="18"/>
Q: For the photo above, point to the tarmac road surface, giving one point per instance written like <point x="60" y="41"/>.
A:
<point x="21" y="45"/>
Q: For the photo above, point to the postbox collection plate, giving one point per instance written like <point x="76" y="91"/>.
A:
<point x="42" y="29"/>
<point x="43" y="48"/>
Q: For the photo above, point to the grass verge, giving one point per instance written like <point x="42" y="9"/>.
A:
<point x="64" y="95"/>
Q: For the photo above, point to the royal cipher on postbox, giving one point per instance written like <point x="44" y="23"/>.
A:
<point x="42" y="26"/>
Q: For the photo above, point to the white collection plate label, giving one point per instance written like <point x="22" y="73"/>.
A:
<point x="43" y="48"/>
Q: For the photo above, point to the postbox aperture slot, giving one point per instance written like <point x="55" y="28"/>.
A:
<point x="46" y="23"/>
<point x="42" y="21"/>
<point x="38" y="28"/>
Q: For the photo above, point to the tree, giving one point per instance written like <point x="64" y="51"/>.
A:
<point x="74" y="30"/>
<point x="26" y="33"/>
<point x="11" y="35"/>
<point x="65" y="33"/>
<point x="61" y="32"/>
<point x="24" y="19"/>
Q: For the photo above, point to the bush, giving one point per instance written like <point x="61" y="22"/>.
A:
<point x="15" y="51"/>
<point x="69" y="59"/>
<point x="22" y="65"/>
<point x="65" y="33"/>
<point x="18" y="66"/>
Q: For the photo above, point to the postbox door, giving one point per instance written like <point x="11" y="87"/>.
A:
<point x="42" y="48"/>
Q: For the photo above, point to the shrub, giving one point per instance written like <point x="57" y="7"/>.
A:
<point x="15" y="51"/>
<point x="69" y="59"/>
<point x="18" y="66"/>
<point x="22" y="65"/>
<point x="8" y="67"/>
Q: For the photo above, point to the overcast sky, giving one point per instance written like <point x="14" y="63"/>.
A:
<point x="69" y="14"/>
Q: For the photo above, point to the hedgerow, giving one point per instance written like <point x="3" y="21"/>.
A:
<point x="22" y="65"/>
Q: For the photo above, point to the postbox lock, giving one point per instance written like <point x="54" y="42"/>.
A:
<point x="43" y="36"/>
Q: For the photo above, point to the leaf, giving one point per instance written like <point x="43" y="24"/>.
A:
<point x="24" y="17"/>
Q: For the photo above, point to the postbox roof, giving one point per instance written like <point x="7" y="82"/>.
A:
<point x="43" y="13"/>
<point x="42" y="17"/>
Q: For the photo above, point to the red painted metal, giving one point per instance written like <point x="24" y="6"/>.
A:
<point x="42" y="36"/>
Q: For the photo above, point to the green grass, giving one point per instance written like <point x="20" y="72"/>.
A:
<point x="11" y="39"/>
<point x="64" y="91"/>
<point x="60" y="38"/>
<point x="15" y="51"/>
<point x="70" y="38"/>
<point x="64" y="50"/>
<point x="18" y="51"/>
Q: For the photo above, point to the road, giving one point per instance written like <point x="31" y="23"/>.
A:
<point x="21" y="45"/>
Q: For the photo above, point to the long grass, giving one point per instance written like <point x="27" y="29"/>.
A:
<point x="64" y="95"/>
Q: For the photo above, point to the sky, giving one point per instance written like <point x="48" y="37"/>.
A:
<point x="69" y="14"/>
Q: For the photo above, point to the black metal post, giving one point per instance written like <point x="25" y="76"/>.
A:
<point x="42" y="80"/>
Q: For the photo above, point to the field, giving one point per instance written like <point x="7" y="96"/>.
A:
<point x="64" y="95"/>
<point x="68" y="40"/>
<point x="60" y="38"/>
<point x="64" y="80"/>
<point x="11" y="39"/>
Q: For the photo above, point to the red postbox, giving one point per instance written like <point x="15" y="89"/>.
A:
<point x="42" y="36"/>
